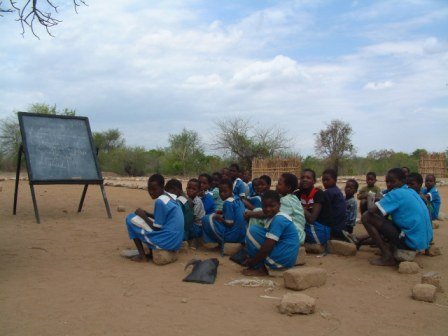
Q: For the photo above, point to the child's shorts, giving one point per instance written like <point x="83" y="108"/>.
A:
<point x="317" y="233"/>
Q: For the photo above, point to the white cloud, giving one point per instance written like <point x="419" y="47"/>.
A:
<point x="378" y="85"/>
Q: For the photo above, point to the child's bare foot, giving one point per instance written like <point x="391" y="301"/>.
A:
<point x="255" y="272"/>
<point x="383" y="262"/>
<point x="139" y="258"/>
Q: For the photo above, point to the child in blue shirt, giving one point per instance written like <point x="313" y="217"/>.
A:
<point x="275" y="245"/>
<point x="229" y="226"/>
<point x="165" y="230"/>
<point x="174" y="186"/>
<point x="238" y="187"/>
<point x="432" y="195"/>
<point x="351" y="187"/>
<point x="216" y="178"/>
<point x="206" y="195"/>
<point x="338" y="208"/>
<point x="193" y="190"/>
<point x="410" y="227"/>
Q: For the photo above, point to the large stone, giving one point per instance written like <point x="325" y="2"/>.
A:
<point x="424" y="292"/>
<point x="341" y="248"/>
<point x="232" y="248"/>
<point x="314" y="248"/>
<point x="408" y="267"/>
<point x="442" y="216"/>
<point x="433" y="251"/>
<point x="163" y="257"/>
<point x="297" y="303"/>
<point x="435" y="225"/>
<point x="210" y="246"/>
<point x="300" y="261"/>
<point x="276" y="273"/>
<point x="404" y="255"/>
<point x="184" y="248"/>
<point x="433" y="278"/>
<point x="304" y="277"/>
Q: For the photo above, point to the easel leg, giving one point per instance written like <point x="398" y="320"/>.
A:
<point x="106" y="203"/>
<point x="81" y="202"/>
<point x="36" y="211"/>
<point x="16" y="190"/>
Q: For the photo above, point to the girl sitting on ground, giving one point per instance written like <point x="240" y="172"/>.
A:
<point x="206" y="195"/>
<point x="275" y="245"/>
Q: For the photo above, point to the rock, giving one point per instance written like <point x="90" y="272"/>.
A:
<point x="232" y="248"/>
<point x="1" y="188"/>
<point x="433" y="278"/>
<point x="163" y="257"/>
<point x="404" y="255"/>
<point x="210" y="246"/>
<point x="184" y="300"/>
<point x="297" y="303"/>
<point x="184" y="248"/>
<point x="304" y="277"/>
<point x="314" y="248"/>
<point x="435" y="225"/>
<point x="300" y="261"/>
<point x="442" y="216"/>
<point x="408" y="267"/>
<point x="341" y="248"/>
<point x="121" y="208"/>
<point x="424" y="292"/>
<point x="277" y="273"/>
<point x="433" y="251"/>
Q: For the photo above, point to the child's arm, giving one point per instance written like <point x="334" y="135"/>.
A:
<point x="312" y="215"/>
<point x="254" y="214"/>
<point x="144" y="215"/>
<point x="263" y="253"/>
<point x="247" y="204"/>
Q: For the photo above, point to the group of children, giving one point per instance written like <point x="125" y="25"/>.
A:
<point x="272" y="225"/>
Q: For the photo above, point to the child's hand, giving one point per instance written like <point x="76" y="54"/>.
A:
<point x="218" y="217"/>
<point x="247" y="215"/>
<point x="219" y="212"/>
<point x="141" y="213"/>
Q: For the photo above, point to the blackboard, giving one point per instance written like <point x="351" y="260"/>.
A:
<point x="59" y="149"/>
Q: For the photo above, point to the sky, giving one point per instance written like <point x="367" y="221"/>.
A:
<point x="152" y="68"/>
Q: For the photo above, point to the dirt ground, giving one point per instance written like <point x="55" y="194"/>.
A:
<point x="65" y="276"/>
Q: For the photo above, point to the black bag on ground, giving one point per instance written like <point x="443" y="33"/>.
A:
<point x="204" y="271"/>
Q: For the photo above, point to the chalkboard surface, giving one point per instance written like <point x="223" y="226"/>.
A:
<point x="58" y="149"/>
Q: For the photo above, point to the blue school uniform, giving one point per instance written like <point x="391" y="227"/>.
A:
<point x="281" y="229"/>
<point x="209" y="203"/>
<point x="434" y="200"/>
<point x="255" y="201"/>
<point x="410" y="214"/>
<point x="217" y="232"/>
<point x="168" y="217"/>
<point x="239" y="188"/>
<point x="252" y="192"/>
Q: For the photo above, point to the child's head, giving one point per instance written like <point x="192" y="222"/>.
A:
<point x="307" y="179"/>
<point x="246" y="176"/>
<point x="156" y="183"/>
<point x="406" y="171"/>
<point x="415" y="181"/>
<point x="370" y="179"/>
<point x="430" y="181"/>
<point x="287" y="184"/>
<point x="174" y="186"/>
<point x="234" y="171"/>
<point x="264" y="184"/>
<point x="351" y="187"/>
<point x="329" y="178"/>
<point x="225" y="173"/>
<point x="193" y="188"/>
<point x="395" y="178"/>
<point x="271" y="203"/>
<point x="216" y="177"/>
<point x="205" y="180"/>
<point x="225" y="189"/>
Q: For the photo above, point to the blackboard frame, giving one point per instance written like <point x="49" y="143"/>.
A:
<point x="86" y="182"/>
<point x="59" y="181"/>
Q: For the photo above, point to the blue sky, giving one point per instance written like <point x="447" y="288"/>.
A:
<point x="153" y="68"/>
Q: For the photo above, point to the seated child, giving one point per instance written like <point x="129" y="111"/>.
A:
<point x="238" y="186"/>
<point x="432" y="195"/>
<point x="205" y="194"/>
<point x="255" y="215"/>
<point x="228" y="226"/>
<point x="290" y="204"/>
<point x="411" y="226"/>
<point x="370" y="187"/>
<point x="216" y="178"/>
<point x="317" y="209"/>
<point x="166" y="230"/>
<point x="351" y="208"/>
<point x="193" y="190"/>
<point x="337" y="202"/>
<point x="275" y="245"/>
<point x="174" y="186"/>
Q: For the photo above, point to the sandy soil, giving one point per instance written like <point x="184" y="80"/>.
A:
<point x="65" y="276"/>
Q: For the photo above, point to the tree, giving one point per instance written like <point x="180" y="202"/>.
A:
<point x="32" y="12"/>
<point x="334" y="142"/>
<point x="108" y="140"/>
<point x="185" y="152"/>
<point x="246" y="141"/>
<point x="10" y="137"/>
